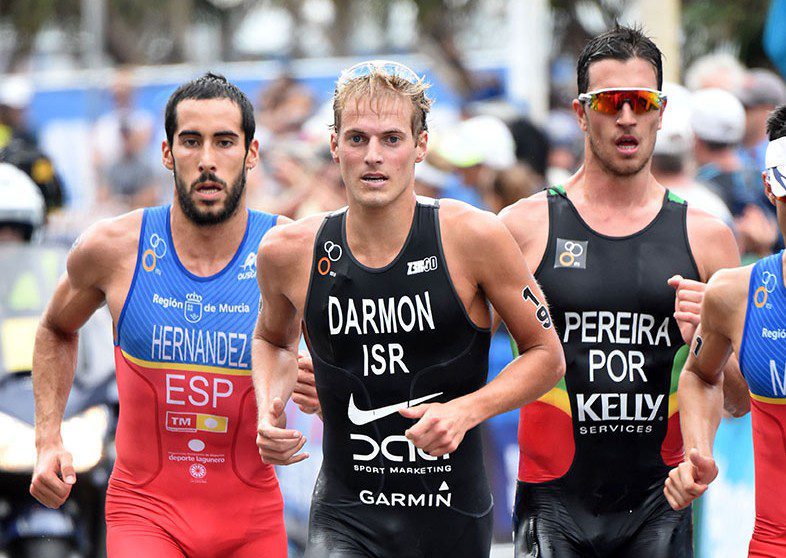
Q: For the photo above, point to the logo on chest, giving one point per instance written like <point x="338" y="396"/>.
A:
<point x="422" y="266"/>
<point x="192" y="309"/>
<point x="571" y="254"/>
<point x="248" y="270"/>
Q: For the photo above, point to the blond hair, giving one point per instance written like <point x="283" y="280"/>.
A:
<point x="379" y="84"/>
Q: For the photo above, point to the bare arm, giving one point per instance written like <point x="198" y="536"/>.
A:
<point x="500" y="271"/>
<point x="701" y="396"/>
<point x="274" y="350"/>
<point x="714" y="248"/>
<point x="54" y="360"/>
<point x="512" y="290"/>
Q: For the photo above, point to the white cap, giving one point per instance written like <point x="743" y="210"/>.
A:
<point x="675" y="136"/>
<point x="717" y="116"/>
<point x="479" y="140"/>
<point x="431" y="175"/>
<point x="21" y="200"/>
<point x="16" y="91"/>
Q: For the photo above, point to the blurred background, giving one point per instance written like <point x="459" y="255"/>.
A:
<point x="83" y="84"/>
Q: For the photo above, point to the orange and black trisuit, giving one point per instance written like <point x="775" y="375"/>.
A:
<point x="383" y="339"/>
<point x="596" y="450"/>
<point x="188" y="480"/>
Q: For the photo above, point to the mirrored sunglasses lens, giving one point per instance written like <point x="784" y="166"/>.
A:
<point x="610" y="102"/>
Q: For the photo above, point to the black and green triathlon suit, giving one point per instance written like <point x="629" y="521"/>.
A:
<point x="596" y="450"/>
<point x="383" y="339"/>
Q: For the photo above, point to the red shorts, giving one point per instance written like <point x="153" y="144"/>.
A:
<point x="244" y="524"/>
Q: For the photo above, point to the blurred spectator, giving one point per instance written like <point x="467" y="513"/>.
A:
<point x="510" y="185"/>
<point x="130" y="182"/>
<point x="429" y="180"/>
<point x="125" y="127"/>
<point x="19" y="145"/>
<point x="718" y="122"/>
<point x="477" y="148"/>
<point x="282" y="108"/>
<point x="532" y="147"/>
<point x="671" y="159"/>
<point x="718" y="70"/>
<point x="760" y="93"/>
<point x="297" y="181"/>
<point x="566" y="143"/>
<point x="22" y="207"/>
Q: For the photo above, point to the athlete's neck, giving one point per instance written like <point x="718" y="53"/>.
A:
<point x="375" y="235"/>
<point x="596" y="185"/>
<point x="206" y="249"/>
<point x="615" y="205"/>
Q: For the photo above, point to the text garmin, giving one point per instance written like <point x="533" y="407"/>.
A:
<point x="620" y="409"/>
<point x="395" y="499"/>
<point x="381" y="316"/>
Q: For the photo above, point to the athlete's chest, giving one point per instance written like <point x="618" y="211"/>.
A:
<point x="173" y="316"/>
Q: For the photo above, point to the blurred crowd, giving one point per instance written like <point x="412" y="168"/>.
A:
<point x="710" y="151"/>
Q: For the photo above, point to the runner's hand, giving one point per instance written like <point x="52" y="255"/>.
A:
<point x="687" y="305"/>
<point x="689" y="479"/>
<point x="440" y="429"/>
<point x="305" y="394"/>
<point x="277" y="445"/>
<point x="53" y="476"/>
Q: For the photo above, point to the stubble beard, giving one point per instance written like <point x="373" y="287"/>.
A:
<point x="611" y="167"/>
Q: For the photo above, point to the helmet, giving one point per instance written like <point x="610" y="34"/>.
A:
<point x="21" y="202"/>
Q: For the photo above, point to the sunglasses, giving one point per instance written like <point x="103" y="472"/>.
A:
<point x="610" y="101"/>
<point x="386" y="67"/>
<point x="776" y="176"/>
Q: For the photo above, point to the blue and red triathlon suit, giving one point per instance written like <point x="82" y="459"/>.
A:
<point x="596" y="450"/>
<point x="188" y="480"/>
<point x="763" y="363"/>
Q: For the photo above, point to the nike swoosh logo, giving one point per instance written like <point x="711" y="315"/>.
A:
<point x="361" y="417"/>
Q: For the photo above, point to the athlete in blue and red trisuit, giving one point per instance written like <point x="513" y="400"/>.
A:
<point x="744" y="310"/>
<point x="180" y="284"/>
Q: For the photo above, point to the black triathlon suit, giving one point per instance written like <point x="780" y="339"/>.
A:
<point x="383" y="339"/>
<point x="596" y="450"/>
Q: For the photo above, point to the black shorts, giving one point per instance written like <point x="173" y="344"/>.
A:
<point x="547" y="526"/>
<point x="368" y="532"/>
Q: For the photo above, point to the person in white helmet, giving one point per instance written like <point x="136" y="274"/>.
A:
<point x="21" y="205"/>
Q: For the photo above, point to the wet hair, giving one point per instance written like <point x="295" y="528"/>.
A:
<point x="776" y="123"/>
<point x="377" y="83"/>
<point x="210" y="86"/>
<point x="621" y="43"/>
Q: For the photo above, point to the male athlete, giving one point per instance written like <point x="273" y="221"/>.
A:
<point x="606" y="246"/>
<point x="180" y="283"/>
<point x="743" y="311"/>
<point x="393" y="292"/>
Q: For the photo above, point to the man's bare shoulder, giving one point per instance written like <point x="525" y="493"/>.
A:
<point x="290" y="242"/>
<point x="99" y="249"/>
<point x="468" y="224"/>
<point x="527" y="218"/>
<point x="712" y="242"/>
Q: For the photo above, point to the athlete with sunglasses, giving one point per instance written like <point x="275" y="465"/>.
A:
<point x="393" y="294"/>
<point x="743" y="311"/>
<point x="608" y="247"/>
